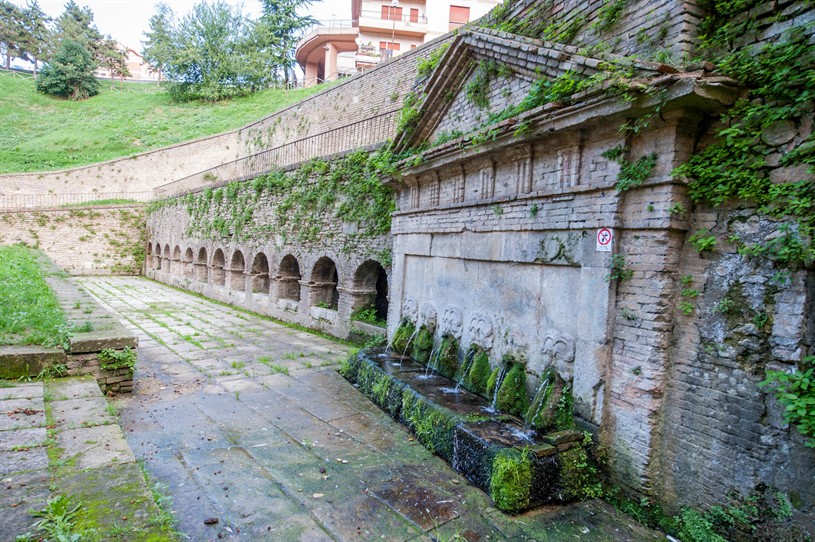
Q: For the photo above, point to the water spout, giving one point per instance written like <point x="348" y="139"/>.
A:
<point x="539" y="402"/>
<point x="498" y="381"/>
<point x="468" y="363"/>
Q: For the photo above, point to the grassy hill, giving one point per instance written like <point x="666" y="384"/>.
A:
<point x="39" y="132"/>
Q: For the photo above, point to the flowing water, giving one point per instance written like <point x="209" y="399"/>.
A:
<point x="468" y="362"/>
<point x="539" y="402"/>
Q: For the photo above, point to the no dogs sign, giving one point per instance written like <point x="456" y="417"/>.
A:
<point x="604" y="239"/>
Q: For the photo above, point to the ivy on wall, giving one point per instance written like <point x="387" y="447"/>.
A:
<point x="302" y="204"/>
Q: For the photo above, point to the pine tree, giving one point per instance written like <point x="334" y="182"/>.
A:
<point x="38" y="33"/>
<point x="157" y="49"/>
<point x="12" y="32"/>
<point x="114" y="59"/>
<point x="76" y="24"/>
<point x="282" y="26"/>
<point x="70" y="73"/>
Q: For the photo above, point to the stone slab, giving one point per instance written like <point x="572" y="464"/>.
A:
<point x="23" y="461"/>
<point x="22" y="361"/>
<point x="94" y="447"/>
<point x="96" y="341"/>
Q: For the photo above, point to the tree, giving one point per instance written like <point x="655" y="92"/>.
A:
<point x="76" y="24"/>
<point x="212" y="55"/>
<point x="157" y="50"/>
<point x="114" y="59"/>
<point x="282" y="26"/>
<point x="70" y="73"/>
<point x="38" y="33"/>
<point x="12" y="32"/>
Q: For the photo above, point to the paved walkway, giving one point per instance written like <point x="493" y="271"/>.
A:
<point x="249" y="424"/>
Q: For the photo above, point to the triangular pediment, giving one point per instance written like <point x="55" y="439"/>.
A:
<point x="486" y="71"/>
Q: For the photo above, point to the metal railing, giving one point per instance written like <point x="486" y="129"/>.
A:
<point x="361" y="134"/>
<point x="391" y="17"/>
<point x="39" y="201"/>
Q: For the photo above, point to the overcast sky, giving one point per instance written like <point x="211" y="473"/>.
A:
<point x="126" y="20"/>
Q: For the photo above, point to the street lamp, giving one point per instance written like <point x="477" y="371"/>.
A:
<point x="394" y="5"/>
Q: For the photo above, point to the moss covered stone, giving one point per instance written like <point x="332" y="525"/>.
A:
<point x="511" y="396"/>
<point x="447" y="360"/>
<point x="545" y="411"/>
<point x="578" y="475"/>
<point x="434" y="427"/>
<point x="479" y="374"/>
<point x="422" y="346"/>
<point x="401" y="337"/>
<point x="511" y="480"/>
<point x="492" y="381"/>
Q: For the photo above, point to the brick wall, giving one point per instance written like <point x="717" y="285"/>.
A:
<point x="82" y="240"/>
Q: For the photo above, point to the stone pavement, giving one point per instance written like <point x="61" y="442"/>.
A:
<point x="249" y="424"/>
<point x="61" y="437"/>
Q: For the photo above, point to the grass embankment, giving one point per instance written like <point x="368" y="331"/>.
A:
<point x="29" y="310"/>
<point x="39" y="132"/>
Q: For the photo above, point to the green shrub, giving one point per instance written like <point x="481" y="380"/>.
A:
<point x="112" y="360"/>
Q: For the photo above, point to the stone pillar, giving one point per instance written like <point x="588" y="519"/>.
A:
<point x="331" y="72"/>
<point x="310" y="77"/>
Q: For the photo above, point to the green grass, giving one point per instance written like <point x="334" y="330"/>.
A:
<point x="30" y="311"/>
<point x="39" y="132"/>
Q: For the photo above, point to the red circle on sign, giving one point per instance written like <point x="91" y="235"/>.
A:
<point x="604" y="236"/>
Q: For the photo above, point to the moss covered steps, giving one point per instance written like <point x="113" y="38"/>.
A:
<point x="490" y="449"/>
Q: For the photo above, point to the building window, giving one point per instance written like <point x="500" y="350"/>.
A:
<point x="386" y="48"/>
<point x="459" y="16"/>
<point x="390" y="13"/>
<point x="414" y="15"/>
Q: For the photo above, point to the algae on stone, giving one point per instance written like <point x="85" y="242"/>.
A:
<point x="447" y="357"/>
<point x="434" y="427"/>
<point x="492" y="381"/>
<point x="578" y="476"/>
<point x="546" y="411"/>
<point x="422" y="346"/>
<point x="479" y="374"/>
<point x="511" y="480"/>
<point x="401" y="337"/>
<point x="511" y="396"/>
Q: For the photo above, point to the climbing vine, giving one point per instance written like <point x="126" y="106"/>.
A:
<point x="302" y="203"/>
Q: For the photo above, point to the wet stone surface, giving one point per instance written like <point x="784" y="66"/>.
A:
<point x="247" y="422"/>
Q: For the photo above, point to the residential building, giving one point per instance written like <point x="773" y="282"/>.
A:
<point x="379" y="30"/>
<point x="139" y="69"/>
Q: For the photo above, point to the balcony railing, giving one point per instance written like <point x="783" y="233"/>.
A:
<point x="406" y="19"/>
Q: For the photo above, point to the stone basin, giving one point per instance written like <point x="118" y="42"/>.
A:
<point x="518" y="468"/>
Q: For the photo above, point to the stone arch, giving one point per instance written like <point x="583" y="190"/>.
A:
<point x="218" y="272"/>
<point x="166" y="262"/>
<point x="324" y="281"/>
<point x="371" y="288"/>
<point x="237" y="272"/>
<point x="157" y="257"/>
<point x="201" y="265"/>
<point x="260" y="274"/>
<point x="175" y="265"/>
<point x="288" y="278"/>
<point x="186" y="261"/>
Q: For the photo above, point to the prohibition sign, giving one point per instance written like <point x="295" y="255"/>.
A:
<point x="604" y="238"/>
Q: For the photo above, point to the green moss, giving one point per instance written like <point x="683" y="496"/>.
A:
<point x="492" y="381"/>
<point x="479" y="375"/>
<point x="543" y="413"/>
<point x="402" y="335"/>
<point x="579" y="477"/>
<point x="349" y="367"/>
<point x="447" y="362"/>
<point x="511" y="396"/>
<point x="511" y="480"/>
<point x="422" y="346"/>
<point x="564" y="418"/>
<point x="433" y="427"/>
